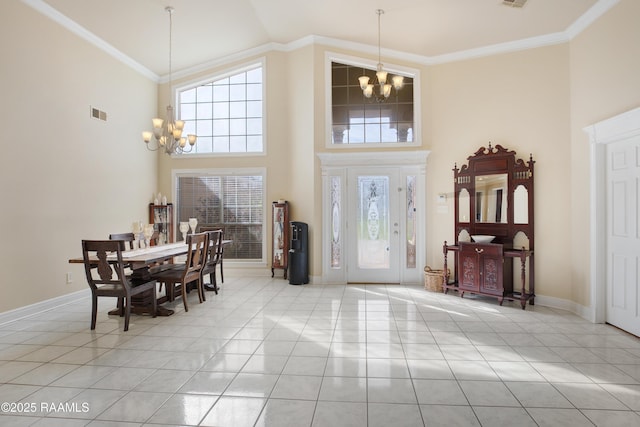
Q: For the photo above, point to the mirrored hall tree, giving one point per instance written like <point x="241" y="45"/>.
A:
<point x="280" y="236"/>
<point x="494" y="226"/>
<point x="161" y="216"/>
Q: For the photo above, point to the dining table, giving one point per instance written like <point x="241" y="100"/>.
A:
<point x="142" y="262"/>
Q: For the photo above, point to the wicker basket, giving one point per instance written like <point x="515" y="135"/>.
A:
<point x="433" y="279"/>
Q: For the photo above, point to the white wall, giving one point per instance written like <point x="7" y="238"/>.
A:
<point x="605" y="65"/>
<point x="65" y="176"/>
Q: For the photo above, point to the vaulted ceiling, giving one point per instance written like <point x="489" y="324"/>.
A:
<point x="206" y="31"/>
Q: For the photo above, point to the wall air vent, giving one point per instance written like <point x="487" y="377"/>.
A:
<point x="514" y="3"/>
<point x="97" y="114"/>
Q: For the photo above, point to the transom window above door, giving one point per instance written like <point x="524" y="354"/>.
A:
<point x="356" y="119"/>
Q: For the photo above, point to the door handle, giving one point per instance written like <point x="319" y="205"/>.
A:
<point x="479" y="251"/>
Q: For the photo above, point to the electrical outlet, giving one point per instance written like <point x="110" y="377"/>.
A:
<point x="69" y="278"/>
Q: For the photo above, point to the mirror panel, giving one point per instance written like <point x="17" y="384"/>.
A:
<point x="521" y="205"/>
<point x="464" y="206"/>
<point x="491" y="198"/>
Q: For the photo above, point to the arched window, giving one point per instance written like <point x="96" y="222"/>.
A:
<point x="226" y="112"/>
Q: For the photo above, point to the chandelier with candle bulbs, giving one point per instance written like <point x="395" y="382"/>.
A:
<point x="380" y="90"/>
<point x="167" y="133"/>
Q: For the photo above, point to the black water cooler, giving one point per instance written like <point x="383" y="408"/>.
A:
<point x="299" y="254"/>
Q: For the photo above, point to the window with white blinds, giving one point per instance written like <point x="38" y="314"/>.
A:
<point x="234" y="203"/>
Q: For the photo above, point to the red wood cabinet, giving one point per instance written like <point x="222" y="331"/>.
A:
<point x="484" y="269"/>
<point x="493" y="195"/>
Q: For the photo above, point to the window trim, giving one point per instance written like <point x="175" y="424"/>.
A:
<point x="227" y="72"/>
<point x="179" y="173"/>
<point x="414" y="73"/>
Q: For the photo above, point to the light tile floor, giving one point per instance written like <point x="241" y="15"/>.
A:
<point x="266" y="353"/>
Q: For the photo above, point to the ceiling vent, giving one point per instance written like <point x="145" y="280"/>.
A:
<point x="514" y="3"/>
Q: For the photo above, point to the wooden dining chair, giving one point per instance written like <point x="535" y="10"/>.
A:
<point x="106" y="277"/>
<point x="190" y="271"/>
<point x="220" y="253"/>
<point x="127" y="237"/>
<point x="215" y="239"/>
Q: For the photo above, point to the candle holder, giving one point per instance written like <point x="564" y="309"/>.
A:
<point x="136" y="227"/>
<point x="184" y="229"/>
<point x="148" y="233"/>
<point x="193" y="223"/>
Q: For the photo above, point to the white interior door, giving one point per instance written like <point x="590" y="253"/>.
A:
<point x="373" y="226"/>
<point x="623" y="235"/>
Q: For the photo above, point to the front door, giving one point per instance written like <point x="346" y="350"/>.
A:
<point x="623" y="235"/>
<point x="374" y="225"/>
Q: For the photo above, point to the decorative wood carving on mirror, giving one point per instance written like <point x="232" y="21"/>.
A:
<point x="494" y="223"/>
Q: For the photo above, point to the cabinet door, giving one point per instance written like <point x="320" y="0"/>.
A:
<point x="469" y="265"/>
<point x="491" y="272"/>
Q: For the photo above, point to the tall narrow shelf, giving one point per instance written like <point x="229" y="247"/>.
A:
<point x="280" y="237"/>
<point x="161" y="216"/>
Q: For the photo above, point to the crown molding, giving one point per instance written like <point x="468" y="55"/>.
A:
<point x="373" y="50"/>
<point x="80" y="31"/>
<point x="590" y="16"/>
<point x="238" y="56"/>
<point x="595" y="12"/>
<point x="500" y="48"/>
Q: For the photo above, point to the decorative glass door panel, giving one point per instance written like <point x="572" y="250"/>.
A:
<point x="374" y="239"/>
<point x="336" y="222"/>
<point x="411" y="222"/>
<point x="373" y="222"/>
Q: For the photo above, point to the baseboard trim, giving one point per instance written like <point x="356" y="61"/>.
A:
<point x="42" y="306"/>
<point x="239" y="270"/>
<point x="236" y="271"/>
<point x="570" y="306"/>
